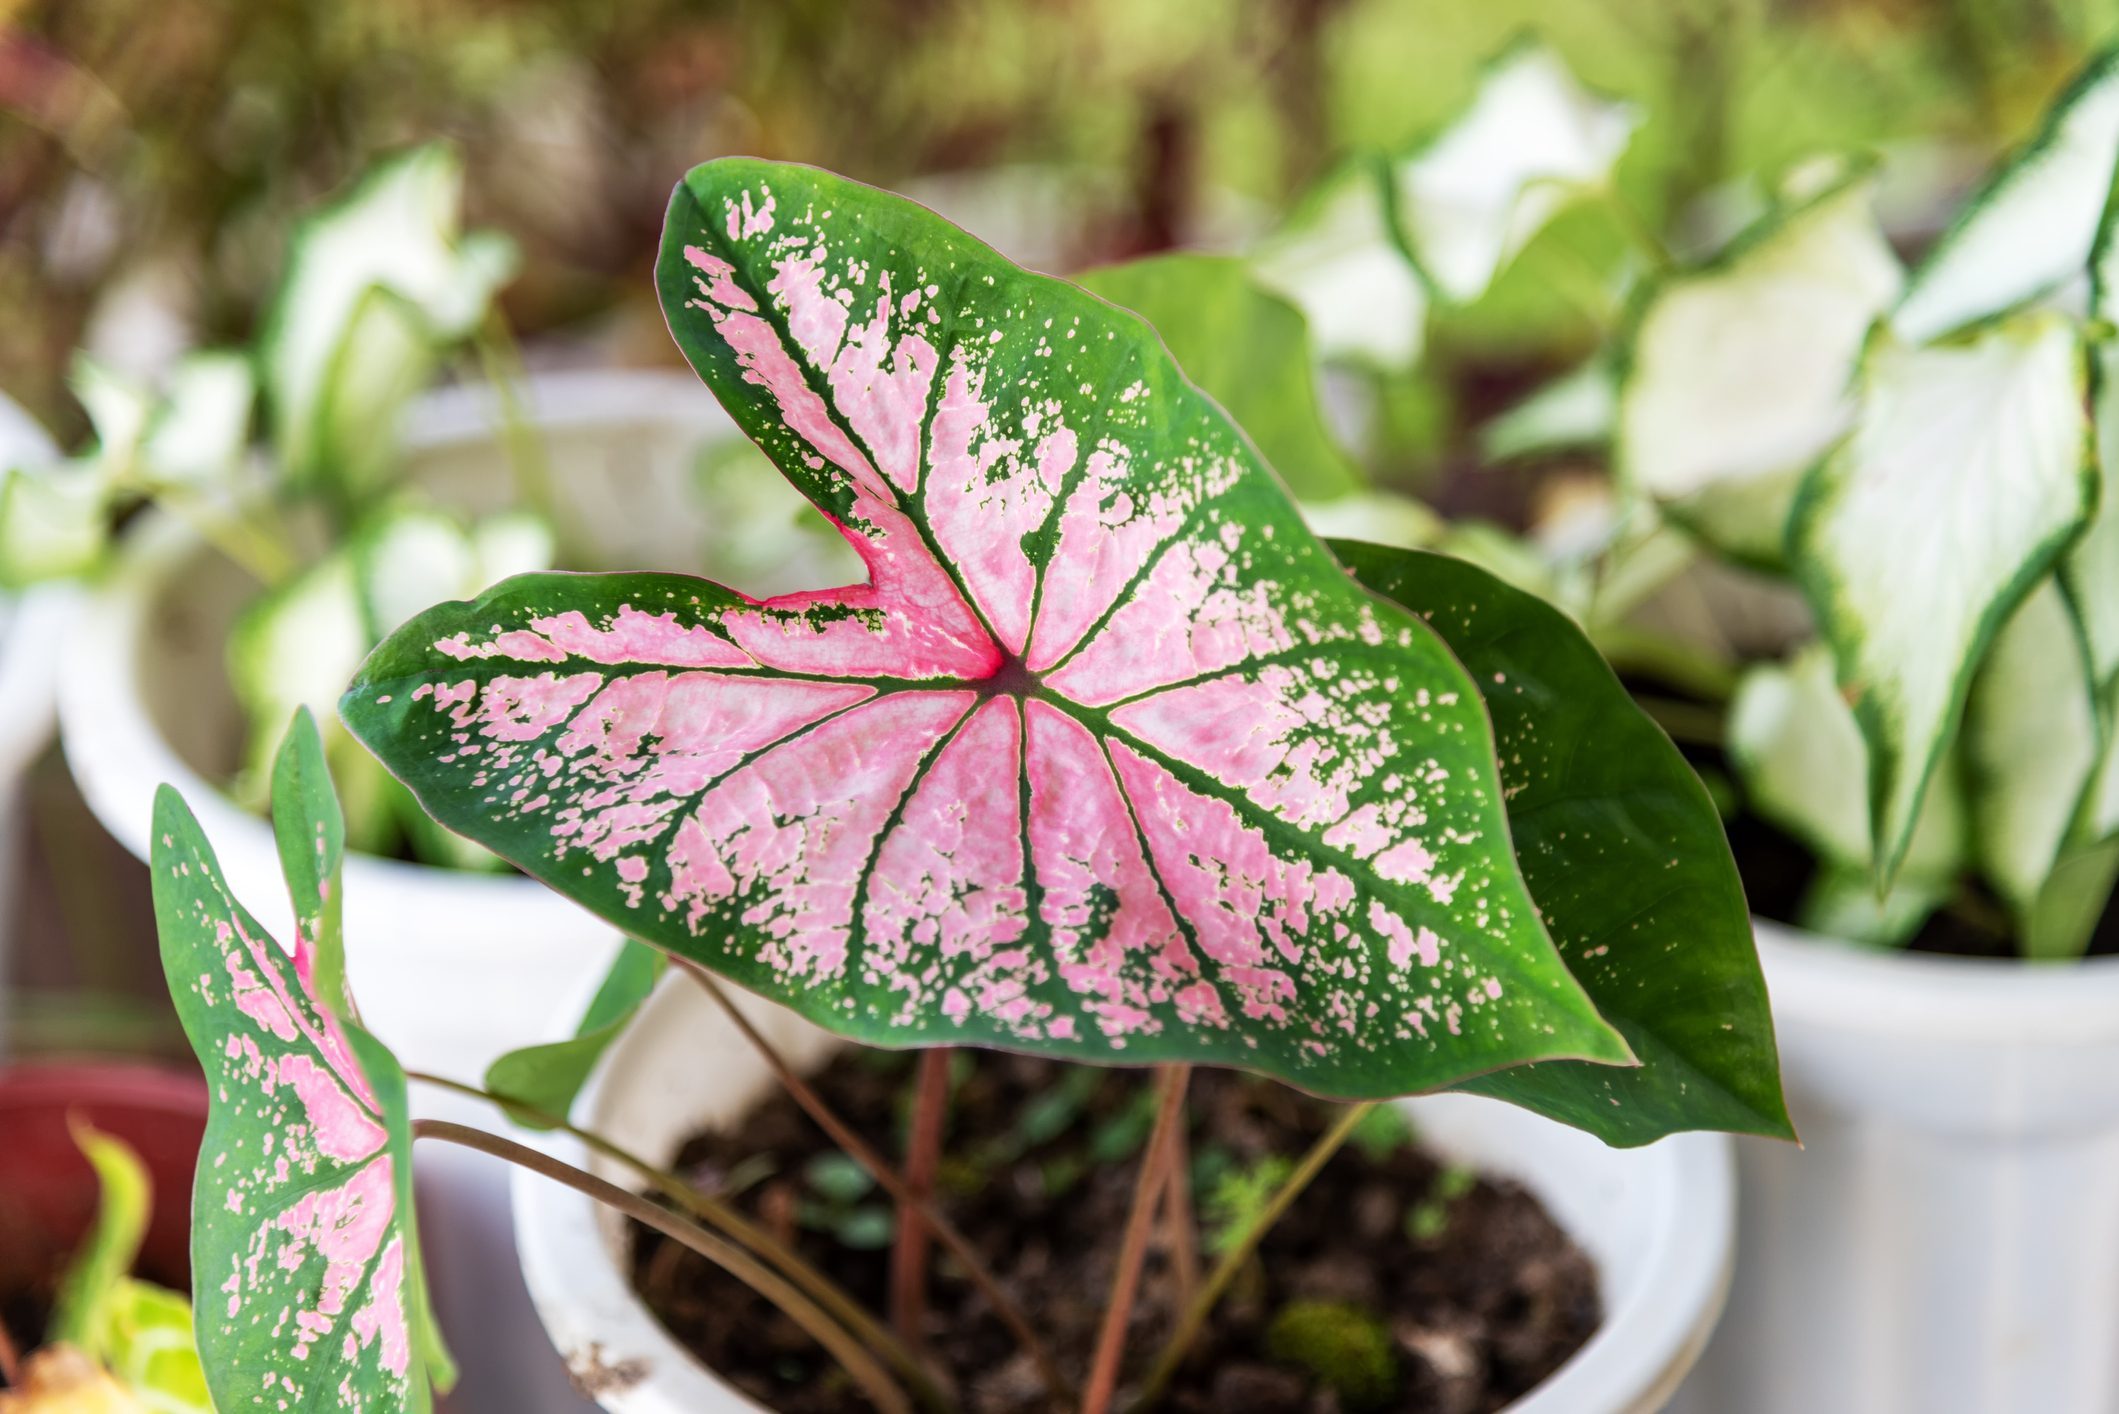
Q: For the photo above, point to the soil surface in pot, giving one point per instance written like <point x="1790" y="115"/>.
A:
<point x="1425" y="1287"/>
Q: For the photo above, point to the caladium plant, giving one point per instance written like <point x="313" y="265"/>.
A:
<point x="1921" y="453"/>
<point x="1108" y="757"/>
<point x="308" y="1286"/>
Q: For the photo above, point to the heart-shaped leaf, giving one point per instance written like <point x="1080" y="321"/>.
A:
<point x="2031" y="746"/>
<point x="1108" y="759"/>
<point x="1531" y="140"/>
<point x="1624" y="853"/>
<point x="1246" y="348"/>
<point x="2028" y="230"/>
<point x="307" y="1283"/>
<point x="1966" y="474"/>
<point x="1737" y="373"/>
<point x="2090" y="573"/>
<point x="374" y="284"/>
<point x="1338" y="260"/>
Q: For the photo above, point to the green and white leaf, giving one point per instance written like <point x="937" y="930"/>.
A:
<point x="2031" y="745"/>
<point x="1966" y="474"/>
<point x="1799" y="753"/>
<point x="199" y="431"/>
<point x="1248" y="349"/>
<point x="1379" y="517"/>
<point x="1531" y="140"/>
<point x="2090" y="573"/>
<point x="1841" y="903"/>
<point x="2071" y="902"/>
<point x="1339" y="262"/>
<point x="2029" y="229"/>
<point x="1577" y="410"/>
<point x="1738" y="373"/>
<point x="54" y="522"/>
<point x="333" y="352"/>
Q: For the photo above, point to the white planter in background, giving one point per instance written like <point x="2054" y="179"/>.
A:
<point x="1657" y="1220"/>
<point x="1947" y="1241"/>
<point x="451" y="968"/>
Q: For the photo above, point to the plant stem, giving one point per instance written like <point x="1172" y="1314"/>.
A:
<point x="725" y="1216"/>
<point x="1148" y="1192"/>
<point x="892" y="1182"/>
<point x="527" y="458"/>
<point x="923" y="1156"/>
<point x="1180" y="1227"/>
<point x="1239" y="1252"/>
<point x="240" y="540"/>
<point x="874" y="1380"/>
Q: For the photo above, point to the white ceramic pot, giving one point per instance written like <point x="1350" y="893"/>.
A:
<point x="1657" y="1220"/>
<point x="33" y="626"/>
<point x="451" y="968"/>
<point x="1947" y="1241"/>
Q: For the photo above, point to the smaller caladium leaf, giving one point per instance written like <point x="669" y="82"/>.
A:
<point x="2071" y="902"/>
<point x="1577" y="410"/>
<point x="374" y="280"/>
<point x="2090" y="573"/>
<point x="1841" y="904"/>
<point x="307" y="1283"/>
<point x="1967" y="473"/>
<point x="1738" y="373"/>
<point x="1107" y="759"/>
<point x="200" y="429"/>
<point x="2029" y="229"/>
<point x="2031" y="745"/>
<point x="54" y="522"/>
<point x="1338" y="261"/>
<point x="1246" y="348"/>
<point x="1624" y="853"/>
<point x="1531" y="140"/>
<point x="547" y="1078"/>
<point x="1799" y="754"/>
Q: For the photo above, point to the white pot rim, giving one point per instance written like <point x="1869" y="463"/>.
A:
<point x="1681" y="1191"/>
<point x="113" y="744"/>
<point x="1989" y="1002"/>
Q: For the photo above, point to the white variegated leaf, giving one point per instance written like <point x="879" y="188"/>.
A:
<point x="1965" y="476"/>
<point x="2031" y="744"/>
<point x="2090" y="573"/>
<point x="201" y="427"/>
<point x="397" y="232"/>
<point x="1577" y="409"/>
<point x="1738" y="372"/>
<point x="1337" y="261"/>
<point x="2029" y="229"/>
<point x="1803" y="764"/>
<point x="1531" y="140"/>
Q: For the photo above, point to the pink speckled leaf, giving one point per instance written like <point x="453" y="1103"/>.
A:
<point x="306" y="1279"/>
<point x="1107" y="759"/>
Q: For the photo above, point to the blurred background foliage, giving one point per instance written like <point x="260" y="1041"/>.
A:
<point x="154" y="153"/>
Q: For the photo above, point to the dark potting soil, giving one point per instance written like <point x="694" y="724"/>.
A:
<point x="1469" y="1294"/>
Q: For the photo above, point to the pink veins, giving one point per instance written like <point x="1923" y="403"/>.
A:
<point x="1073" y="761"/>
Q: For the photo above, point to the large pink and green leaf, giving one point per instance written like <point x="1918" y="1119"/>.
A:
<point x="306" y="1279"/>
<point x="1107" y="759"/>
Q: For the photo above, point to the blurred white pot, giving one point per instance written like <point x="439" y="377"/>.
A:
<point x="33" y="626"/>
<point x="1947" y="1241"/>
<point x="1657" y="1221"/>
<point x="451" y="968"/>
